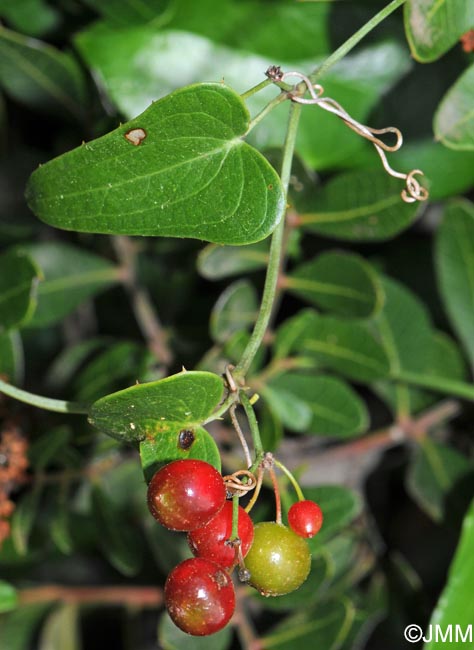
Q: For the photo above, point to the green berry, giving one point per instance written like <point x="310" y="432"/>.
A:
<point x="278" y="561"/>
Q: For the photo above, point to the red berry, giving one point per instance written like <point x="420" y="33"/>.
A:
<point x="186" y="494"/>
<point x="199" y="596"/>
<point x="209" y="541"/>
<point x="305" y="518"/>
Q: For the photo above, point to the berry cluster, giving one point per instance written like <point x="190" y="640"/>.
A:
<point x="190" y="496"/>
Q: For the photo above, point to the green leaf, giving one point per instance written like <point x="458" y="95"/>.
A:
<point x="190" y="176"/>
<point x="448" y="172"/>
<point x="8" y="597"/>
<point x="455" y="606"/>
<point x="270" y="425"/>
<point x="360" y="206"/>
<point x="119" y="541"/>
<point x="11" y="357"/>
<point x="433" y="473"/>
<point x="344" y="346"/>
<point x="454" y="253"/>
<point x="71" y="276"/>
<point x="148" y="410"/>
<point x="19" y="277"/>
<point x="454" y="119"/>
<point x="24" y="517"/>
<point x="338" y="282"/>
<point x="60" y="526"/>
<point x="18" y="627"/>
<point x="217" y="262"/>
<point x="325" y="627"/>
<point x="433" y="26"/>
<point x="61" y="629"/>
<point x="177" y="444"/>
<point x="171" y="637"/>
<point x="340" y="507"/>
<point x="236" y="309"/>
<point x="40" y="76"/>
<point x="334" y="408"/>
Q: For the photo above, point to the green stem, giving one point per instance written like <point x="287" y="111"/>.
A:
<point x="348" y="45"/>
<point x="255" y="89"/>
<point x="235" y="517"/>
<point x="275" y="253"/>
<point x="268" y="108"/>
<point x="293" y="481"/>
<point x="55" y="405"/>
<point x="437" y="384"/>
<point x="254" y="430"/>
<point x="223" y="408"/>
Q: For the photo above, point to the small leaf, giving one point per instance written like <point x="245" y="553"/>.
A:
<point x="293" y="412"/>
<point x="190" y="442"/>
<point x="8" y="597"/>
<point x="71" y="276"/>
<point x="433" y="473"/>
<point x="434" y="26"/>
<point x="236" y="309"/>
<point x="171" y="637"/>
<point x="338" y="282"/>
<point x="11" y="357"/>
<point x="334" y="408"/>
<point x="19" y="277"/>
<point x="344" y="346"/>
<point x="454" y="119"/>
<point x="33" y="17"/>
<point x="60" y="526"/>
<point x="118" y="540"/>
<point x="61" y="629"/>
<point x="360" y="206"/>
<point x="18" y="628"/>
<point x="325" y="627"/>
<point x="340" y="507"/>
<point x="191" y="175"/>
<point x="455" y="602"/>
<point x="218" y="262"/>
<point x="39" y="75"/>
<point x="454" y="251"/>
<point x="24" y="518"/>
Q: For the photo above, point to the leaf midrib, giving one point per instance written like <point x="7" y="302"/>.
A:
<point x="338" y="216"/>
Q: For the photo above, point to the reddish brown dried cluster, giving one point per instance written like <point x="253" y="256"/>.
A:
<point x="467" y="41"/>
<point x="13" y="466"/>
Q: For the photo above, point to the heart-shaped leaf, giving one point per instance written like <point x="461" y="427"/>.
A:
<point x="148" y="410"/>
<point x="180" y="169"/>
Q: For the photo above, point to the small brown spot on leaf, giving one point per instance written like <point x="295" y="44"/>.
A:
<point x="185" y="439"/>
<point x="135" y="136"/>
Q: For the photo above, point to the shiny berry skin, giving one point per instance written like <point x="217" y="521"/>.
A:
<point x="199" y="596"/>
<point x="279" y="561"/>
<point x="186" y="494"/>
<point x="209" y="541"/>
<point x="305" y="518"/>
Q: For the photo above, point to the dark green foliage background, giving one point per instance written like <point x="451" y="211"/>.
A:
<point x="365" y="380"/>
